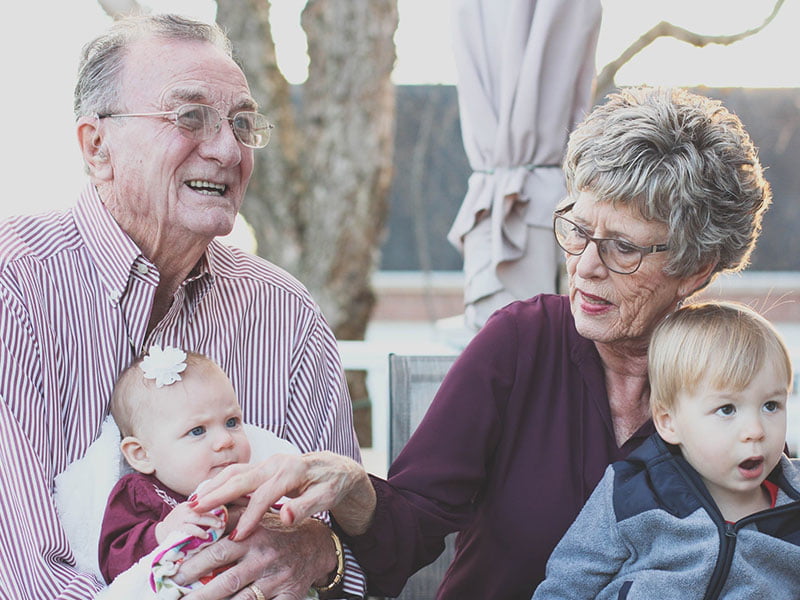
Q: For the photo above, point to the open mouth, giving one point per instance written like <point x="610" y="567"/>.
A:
<point x="752" y="467"/>
<point x="207" y="187"/>
<point x="751" y="463"/>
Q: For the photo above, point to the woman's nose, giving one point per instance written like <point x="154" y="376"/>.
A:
<point x="589" y="262"/>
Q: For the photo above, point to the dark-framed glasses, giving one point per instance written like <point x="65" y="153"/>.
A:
<point x="618" y="255"/>
<point x="201" y="122"/>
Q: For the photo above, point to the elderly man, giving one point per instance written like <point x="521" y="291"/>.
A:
<point x="167" y="127"/>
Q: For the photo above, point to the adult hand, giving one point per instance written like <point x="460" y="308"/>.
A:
<point x="281" y="561"/>
<point x="312" y="482"/>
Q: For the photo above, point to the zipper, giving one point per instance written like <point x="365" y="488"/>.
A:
<point x="727" y="544"/>
<point x="728" y="537"/>
<point x="727" y="532"/>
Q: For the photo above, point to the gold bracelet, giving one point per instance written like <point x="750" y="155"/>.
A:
<point x="339" y="565"/>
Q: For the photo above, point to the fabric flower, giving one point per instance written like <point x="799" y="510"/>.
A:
<point x="164" y="365"/>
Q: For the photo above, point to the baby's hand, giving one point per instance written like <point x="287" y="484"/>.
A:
<point x="182" y="518"/>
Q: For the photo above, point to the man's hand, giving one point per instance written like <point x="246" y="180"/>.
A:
<point x="282" y="561"/>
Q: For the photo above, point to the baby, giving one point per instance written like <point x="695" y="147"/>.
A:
<point x="181" y="424"/>
<point x="709" y="507"/>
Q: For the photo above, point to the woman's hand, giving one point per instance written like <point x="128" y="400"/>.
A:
<point x="306" y="484"/>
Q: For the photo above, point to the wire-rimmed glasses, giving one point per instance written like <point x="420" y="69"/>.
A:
<point x="617" y="255"/>
<point x="201" y="122"/>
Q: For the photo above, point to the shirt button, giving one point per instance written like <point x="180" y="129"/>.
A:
<point x="114" y="296"/>
<point x="142" y="268"/>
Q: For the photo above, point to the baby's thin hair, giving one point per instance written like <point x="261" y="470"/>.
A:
<point x="724" y="343"/>
<point x="132" y="393"/>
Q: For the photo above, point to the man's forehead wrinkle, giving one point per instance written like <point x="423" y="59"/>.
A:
<point x="184" y="95"/>
<point x="199" y="96"/>
<point x="187" y="94"/>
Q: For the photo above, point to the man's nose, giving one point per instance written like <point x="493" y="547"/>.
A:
<point x="223" y="146"/>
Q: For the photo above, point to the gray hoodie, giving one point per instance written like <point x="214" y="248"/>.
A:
<point x="651" y="530"/>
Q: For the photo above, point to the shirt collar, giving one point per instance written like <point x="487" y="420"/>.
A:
<point x="203" y="268"/>
<point x="111" y="249"/>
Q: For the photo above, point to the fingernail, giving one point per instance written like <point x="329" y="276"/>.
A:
<point x="193" y="504"/>
<point x="192" y="498"/>
<point x="232" y="535"/>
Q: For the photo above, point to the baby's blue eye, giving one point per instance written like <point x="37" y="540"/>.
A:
<point x="232" y="422"/>
<point x="197" y="431"/>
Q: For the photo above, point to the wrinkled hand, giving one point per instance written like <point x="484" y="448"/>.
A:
<point x="187" y="520"/>
<point x="283" y="561"/>
<point x="313" y="482"/>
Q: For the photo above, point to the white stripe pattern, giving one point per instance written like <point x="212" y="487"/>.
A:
<point x="73" y="289"/>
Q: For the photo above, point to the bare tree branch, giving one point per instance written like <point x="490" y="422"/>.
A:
<point x="119" y="8"/>
<point x="605" y="80"/>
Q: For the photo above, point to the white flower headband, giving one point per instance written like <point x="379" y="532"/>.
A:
<point x="164" y="365"/>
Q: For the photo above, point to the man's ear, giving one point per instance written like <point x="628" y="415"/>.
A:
<point x="93" y="149"/>
<point x="136" y="455"/>
<point x="665" y="425"/>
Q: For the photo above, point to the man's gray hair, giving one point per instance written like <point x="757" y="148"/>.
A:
<point x="97" y="88"/>
<point x="680" y="159"/>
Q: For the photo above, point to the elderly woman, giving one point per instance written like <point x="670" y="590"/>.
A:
<point x="665" y="192"/>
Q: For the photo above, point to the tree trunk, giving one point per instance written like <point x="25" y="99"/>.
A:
<point x="317" y="201"/>
<point x="277" y="186"/>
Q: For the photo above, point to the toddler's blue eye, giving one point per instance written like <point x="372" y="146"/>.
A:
<point x="196" y="431"/>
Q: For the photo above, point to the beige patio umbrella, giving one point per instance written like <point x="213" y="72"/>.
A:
<point x="525" y="74"/>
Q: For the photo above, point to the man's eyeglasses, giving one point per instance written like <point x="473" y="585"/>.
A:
<point x="200" y="122"/>
<point x="618" y="255"/>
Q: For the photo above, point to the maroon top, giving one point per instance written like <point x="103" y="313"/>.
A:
<point x="517" y="437"/>
<point x="135" y="506"/>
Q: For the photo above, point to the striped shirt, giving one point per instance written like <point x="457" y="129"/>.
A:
<point x="75" y="298"/>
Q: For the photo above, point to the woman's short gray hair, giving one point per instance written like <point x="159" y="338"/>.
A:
<point x="97" y="88"/>
<point x="680" y="159"/>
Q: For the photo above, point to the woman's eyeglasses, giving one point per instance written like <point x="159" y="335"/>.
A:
<point x="618" y="255"/>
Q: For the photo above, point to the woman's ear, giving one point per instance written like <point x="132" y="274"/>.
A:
<point x="665" y="425"/>
<point x="136" y="455"/>
<point x="93" y="149"/>
<point x="696" y="282"/>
